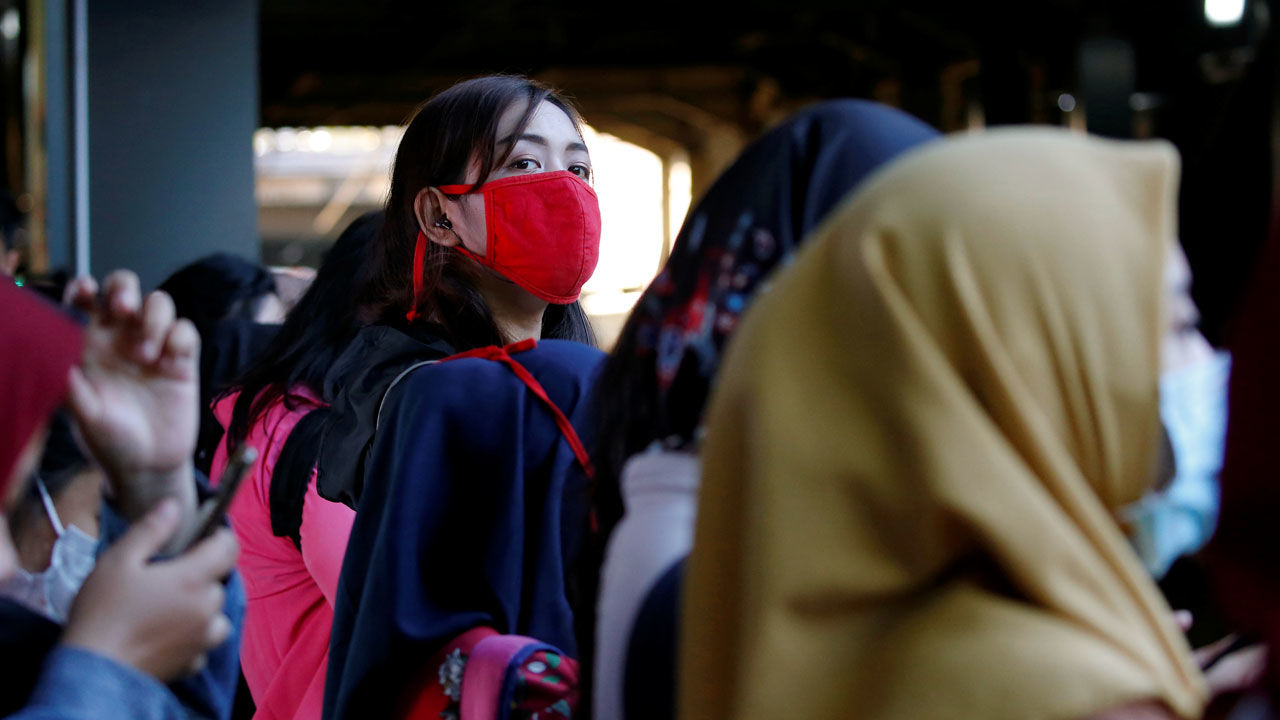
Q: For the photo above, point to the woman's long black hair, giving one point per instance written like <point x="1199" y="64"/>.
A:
<point x="316" y="332"/>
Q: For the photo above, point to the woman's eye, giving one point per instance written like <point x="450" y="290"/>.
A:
<point x="525" y="164"/>
<point x="581" y="171"/>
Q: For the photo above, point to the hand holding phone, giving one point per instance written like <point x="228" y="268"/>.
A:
<point x="155" y="617"/>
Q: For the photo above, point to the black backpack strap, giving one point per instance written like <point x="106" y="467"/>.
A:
<point x="292" y="474"/>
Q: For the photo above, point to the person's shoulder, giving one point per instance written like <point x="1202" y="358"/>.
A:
<point x="461" y="383"/>
<point x="279" y="418"/>
<point x="574" y="354"/>
<point x="223" y="407"/>
<point x="562" y="360"/>
<point x="473" y="378"/>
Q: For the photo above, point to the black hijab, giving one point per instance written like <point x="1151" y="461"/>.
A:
<point x="750" y="222"/>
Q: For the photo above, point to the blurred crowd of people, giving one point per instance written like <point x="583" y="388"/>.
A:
<point x="907" y="426"/>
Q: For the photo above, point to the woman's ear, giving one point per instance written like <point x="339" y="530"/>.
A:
<point x="429" y="209"/>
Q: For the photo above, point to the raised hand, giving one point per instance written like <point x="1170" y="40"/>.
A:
<point x="136" y="399"/>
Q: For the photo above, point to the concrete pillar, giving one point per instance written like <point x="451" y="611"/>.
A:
<point x="172" y="103"/>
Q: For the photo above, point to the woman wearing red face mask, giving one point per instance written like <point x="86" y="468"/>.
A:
<point x="449" y="418"/>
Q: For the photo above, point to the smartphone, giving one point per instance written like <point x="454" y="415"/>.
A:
<point x="210" y="513"/>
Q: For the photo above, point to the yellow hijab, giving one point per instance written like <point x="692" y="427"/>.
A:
<point x="919" y="443"/>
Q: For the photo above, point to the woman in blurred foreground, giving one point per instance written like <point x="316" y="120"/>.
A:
<point x="922" y="439"/>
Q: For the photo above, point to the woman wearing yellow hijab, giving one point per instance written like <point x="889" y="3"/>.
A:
<point x="923" y="434"/>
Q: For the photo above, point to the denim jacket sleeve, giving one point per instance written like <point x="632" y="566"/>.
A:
<point x="80" y="685"/>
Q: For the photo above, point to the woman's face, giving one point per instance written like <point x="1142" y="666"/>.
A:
<point x="550" y="142"/>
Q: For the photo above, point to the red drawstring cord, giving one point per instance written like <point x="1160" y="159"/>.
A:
<point x="419" y="257"/>
<point x="503" y="355"/>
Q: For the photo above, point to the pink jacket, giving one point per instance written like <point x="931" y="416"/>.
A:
<point x="285" y="649"/>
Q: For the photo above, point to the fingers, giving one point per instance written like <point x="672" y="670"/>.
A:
<point x="81" y="294"/>
<point x="197" y="665"/>
<point x="1208" y="653"/>
<point x="1184" y="619"/>
<point x="1240" y="670"/>
<point x="180" y="356"/>
<point x="85" y="402"/>
<point x="145" y="331"/>
<point x="151" y="533"/>
<point x="214" y="557"/>
<point x="219" y="630"/>
<point x="155" y="323"/>
<point x="122" y="295"/>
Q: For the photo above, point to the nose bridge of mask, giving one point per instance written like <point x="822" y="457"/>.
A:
<point x="74" y="550"/>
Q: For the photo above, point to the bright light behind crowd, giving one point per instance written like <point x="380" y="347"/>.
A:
<point x="679" y="195"/>
<point x="11" y="24"/>
<point x="628" y="182"/>
<point x="311" y="180"/>
<point x="1223" y="12"/>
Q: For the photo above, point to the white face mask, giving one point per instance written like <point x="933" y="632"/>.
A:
<point x="1180" y="518"/>
<point x="51" y="591"/>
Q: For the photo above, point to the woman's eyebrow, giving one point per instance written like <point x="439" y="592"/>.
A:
<point x="539" y="140"/>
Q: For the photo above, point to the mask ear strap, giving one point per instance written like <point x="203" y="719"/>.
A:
<point x="49" y="509"/>
<point x="419" y="257"/>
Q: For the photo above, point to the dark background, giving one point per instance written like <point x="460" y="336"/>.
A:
<point x="709" y="76"/>
<point x="173" y="85"/>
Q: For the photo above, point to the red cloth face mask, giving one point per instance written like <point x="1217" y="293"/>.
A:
<point x="543" y="233"/>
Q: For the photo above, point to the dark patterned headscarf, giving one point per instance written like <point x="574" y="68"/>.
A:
<point x="750" y="222"/>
